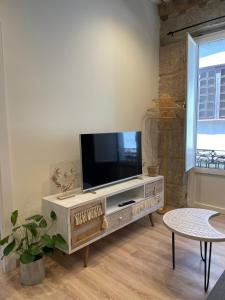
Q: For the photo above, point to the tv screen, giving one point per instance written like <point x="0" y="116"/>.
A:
<point x="110" y="157"/>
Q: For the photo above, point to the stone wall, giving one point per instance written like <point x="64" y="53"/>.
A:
<point x="172" y="81"/>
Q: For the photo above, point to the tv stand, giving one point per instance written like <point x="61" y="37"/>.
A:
<point x="92" y="192"/>
<point x="88" y="217"/>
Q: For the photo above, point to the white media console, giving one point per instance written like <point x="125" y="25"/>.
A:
<point x="86" y="217"/>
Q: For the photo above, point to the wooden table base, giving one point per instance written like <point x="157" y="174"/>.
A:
<point x="86" y="255"/>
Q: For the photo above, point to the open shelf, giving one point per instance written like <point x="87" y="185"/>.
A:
<point x="112" y="202"/>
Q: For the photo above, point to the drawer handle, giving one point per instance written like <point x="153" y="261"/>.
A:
<point x="120" y="218"/>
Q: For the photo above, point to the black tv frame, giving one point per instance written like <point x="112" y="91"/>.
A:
<point x="111" y="182"/>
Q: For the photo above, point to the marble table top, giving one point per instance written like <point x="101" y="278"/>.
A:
<point x="193" y="223"/>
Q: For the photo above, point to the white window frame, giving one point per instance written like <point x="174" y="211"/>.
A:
<point x="210" y="37"/>
<point x="191" y="103"/>
<point x="202" y="40"/>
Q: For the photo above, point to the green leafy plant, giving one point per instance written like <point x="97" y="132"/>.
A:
<point x="30" y="240"/>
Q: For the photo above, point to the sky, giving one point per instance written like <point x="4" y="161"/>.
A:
<point x="212" y="48"/>
<point x="212" y="54"/>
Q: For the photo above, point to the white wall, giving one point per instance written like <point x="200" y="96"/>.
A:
<point x="206" y="189"/>
<point x="72" y="66"/>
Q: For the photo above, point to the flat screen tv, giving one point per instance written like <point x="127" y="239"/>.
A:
<point x="110" y="157"/>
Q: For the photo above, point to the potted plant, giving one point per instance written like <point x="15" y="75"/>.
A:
<point x="30" y="241"/>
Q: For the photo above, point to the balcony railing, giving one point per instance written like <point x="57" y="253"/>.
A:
<point x="214" y="159"/>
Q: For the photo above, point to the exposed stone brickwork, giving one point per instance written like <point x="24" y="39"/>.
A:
<point x="172" y="81"/>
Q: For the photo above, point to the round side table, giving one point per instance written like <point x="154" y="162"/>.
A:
<point x="193" y="223"/>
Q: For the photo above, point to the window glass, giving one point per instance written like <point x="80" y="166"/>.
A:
<point x="210" y="151"/>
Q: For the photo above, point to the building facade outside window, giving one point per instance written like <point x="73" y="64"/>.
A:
<point x="210" y="152"/>
<point x="211" y="104"/>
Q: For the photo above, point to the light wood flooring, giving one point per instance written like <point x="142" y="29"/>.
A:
<point x="133" y="263"/>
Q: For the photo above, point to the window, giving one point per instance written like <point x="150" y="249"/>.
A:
<point x="211" y="104"/>
<point x="205" y="136"/>
<point x="207" y="94"/>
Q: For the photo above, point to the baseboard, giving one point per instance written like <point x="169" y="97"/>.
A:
<point x="211" y="207"/>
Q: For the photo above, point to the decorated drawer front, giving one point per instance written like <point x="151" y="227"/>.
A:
<point x="85" y="213"/>
<point x="154" y="188"/>
<point x="117" y="219"/>
<point x="138" y="209"/>
<point x="158" y="199"/>
<point x="148" y="203"/>
<point x="153" y="201"/>
<point x="87" y="222"/>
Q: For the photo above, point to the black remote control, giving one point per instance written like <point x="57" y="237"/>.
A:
<point x="126" y="203"/>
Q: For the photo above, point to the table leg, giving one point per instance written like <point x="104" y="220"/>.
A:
<point x="173" y="250"/>
<point x="207" y="265"/>
<point x="201" y="251"/>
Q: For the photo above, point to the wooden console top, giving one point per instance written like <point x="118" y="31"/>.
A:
<point x="82" y="198"/>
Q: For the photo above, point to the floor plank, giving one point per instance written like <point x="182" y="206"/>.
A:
<point x="133" y="263"/>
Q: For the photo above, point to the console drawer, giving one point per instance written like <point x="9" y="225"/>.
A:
<point x="158" y="200"/>
<point x="86" y="222"/>
<point x="138" y="208"/>
<point x="119" y="218"/>
<point x="154" y="188"/>
<point x="153" y="201"/>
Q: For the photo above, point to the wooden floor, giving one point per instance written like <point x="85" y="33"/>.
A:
<point x="133" y="263"/>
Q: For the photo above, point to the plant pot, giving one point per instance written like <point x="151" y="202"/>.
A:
<point x="32" y="273"/>
<point x="153" y="171"/>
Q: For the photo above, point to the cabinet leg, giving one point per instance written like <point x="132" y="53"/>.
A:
<point x="151" y="219"/>
<point x="86" y="255"/>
